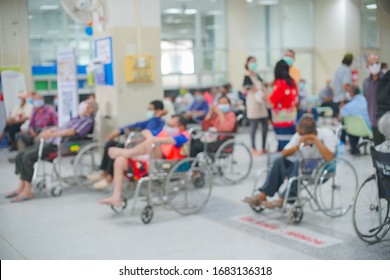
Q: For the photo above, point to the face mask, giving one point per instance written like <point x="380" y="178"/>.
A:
<point x="171" y="131"/>
<point x="198" y="98"/>
<point x="252" y="66"/>
<point x="30" y="101"/>
<point x="38" y="103"/>
<point x="149" y="114"/>
<point x="289" y="60"/>
<point x="384" y="71"/>
<point x="374" y="68"/>
<point x="348" y="95"/>
<point x="224" y="107"/>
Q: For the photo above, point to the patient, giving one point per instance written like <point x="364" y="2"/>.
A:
<point x="24" y="161"/>
<point x="171" y="140"/>
<point x="384" y="128"/>
<point x="317" y="143"/>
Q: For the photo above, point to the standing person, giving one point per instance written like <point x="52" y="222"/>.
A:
<point x="383" y="97"/>
<point x="256" y="98"/>
<point x="284" y="100"/>
<point x="19" y="114"/>
<point x="342" y="80"/>
<point x="295" y="73"/>
<point x="369" y="91"/>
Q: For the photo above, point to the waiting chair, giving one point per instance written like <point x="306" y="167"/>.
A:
<point x="357" y="126"/>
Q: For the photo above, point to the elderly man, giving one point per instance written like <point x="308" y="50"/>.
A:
<point x="369" y="91"/>
<point x="24" y="162"/>
<point x="317" y="143"/>
<point x="19" y="115"/>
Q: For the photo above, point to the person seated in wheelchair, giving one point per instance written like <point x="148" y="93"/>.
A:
<point x="220" y="118"/>
<point x="317" y="143"/>
<point x="24" y="161"/>
<point x="171" y="142"/>
<point x="384" y="128"/>
<point x="154" y="123"/>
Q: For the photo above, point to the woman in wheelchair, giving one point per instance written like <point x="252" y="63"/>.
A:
<point x="24" y="161"/>
<point x="222" y="119"/>
<point x="317" y="143"/>
<point x="170" y="146"/>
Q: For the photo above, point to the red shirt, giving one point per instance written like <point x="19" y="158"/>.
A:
<point x="283" y="95"/>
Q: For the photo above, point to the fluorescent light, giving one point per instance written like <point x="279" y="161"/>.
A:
<point x="190" y="11"/>
<point x="173" y="11"/>
<point x="49" y="7"/>
<point x="249" y="1"/>
<point x="371" y="6"/>
<point x="30" y="16"/>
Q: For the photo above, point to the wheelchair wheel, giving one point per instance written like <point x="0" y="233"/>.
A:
<point x="370" y="212"/>
<point x="183" y="191"/>
<point x="87" y="162"/>
<point x="295" y="214"/>
<point x="56" y="190"/>
<point x="119" y="209"/>
<point x="147" y="214"/>
<point x="335" y="186"/>
<point x="41" y="185"/>
<point x="233" y="160"/>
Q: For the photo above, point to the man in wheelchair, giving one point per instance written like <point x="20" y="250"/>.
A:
<point x="317" y="143"/>
<point x="170" y="145"/>
<point x="154" y="124"/>
<point x="24" y="161"/>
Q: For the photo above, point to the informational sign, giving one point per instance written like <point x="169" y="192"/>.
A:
<point x="104" y="54"/>
<point x="68" y="98"/>
<point x="13" y="83"/>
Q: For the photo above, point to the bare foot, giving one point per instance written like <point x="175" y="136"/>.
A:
<point x="256" y="153"/>
<point x="111" y="201"/>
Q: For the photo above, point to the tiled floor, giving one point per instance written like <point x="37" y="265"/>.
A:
<point x="75" y="226"/>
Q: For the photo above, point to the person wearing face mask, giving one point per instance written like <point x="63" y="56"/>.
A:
<point x="295" y="73"/>
<point x="198" y="110"/>
<point x="369" y="91"/>
<point x="24" y="162"/>
<point x="43" y="116"/>
<point x="356" y="107"/>
<point x="256" y="104"/>
<point x="171" y="142"/>
<point x="19" y="115"/>
<point x="220" y="118"/>
<point x="154" y="123"/>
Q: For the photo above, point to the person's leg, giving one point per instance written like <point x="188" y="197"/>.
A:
<point x="13" y="129"/>
<point x="354" y="140"/>
<point x="378" y="137"/>
<point x="253" y="129"/>
<point x="273" y="182"/>
<point x="120" y="166"/>
<point x="143" y="148"/>
<point x="264" y="132"/>
<point x="196" y="147"/>
<point x="106" y="159"/>
<point x="17" y="191"/>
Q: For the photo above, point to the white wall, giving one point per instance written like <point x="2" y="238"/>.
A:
<point x="14" y="43"/>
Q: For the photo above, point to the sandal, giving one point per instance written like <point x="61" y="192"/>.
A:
<point x="252" y="201"/>
<point x="21" y="198"/>
<point x="12" y="194"/>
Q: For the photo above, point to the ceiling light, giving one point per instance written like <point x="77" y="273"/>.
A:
<point x="190" y="11"/>
<point x="371" y="6"/>
<point x="173" y="11"/>
<point x="249" y="1"/>
<point x="49" y="7"/>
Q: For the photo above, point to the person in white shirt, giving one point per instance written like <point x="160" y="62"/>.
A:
<point x="318" y="143"/>
<point x="384" y="128"/>
<point x="19" y="114"/>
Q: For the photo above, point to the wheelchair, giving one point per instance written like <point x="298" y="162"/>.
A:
<point x="370" y="212"/>
<point x="182" y="185"/>
<point x="230" y="159"/>
<point x="328" y="187"/>
<point x="73" y="160"/>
